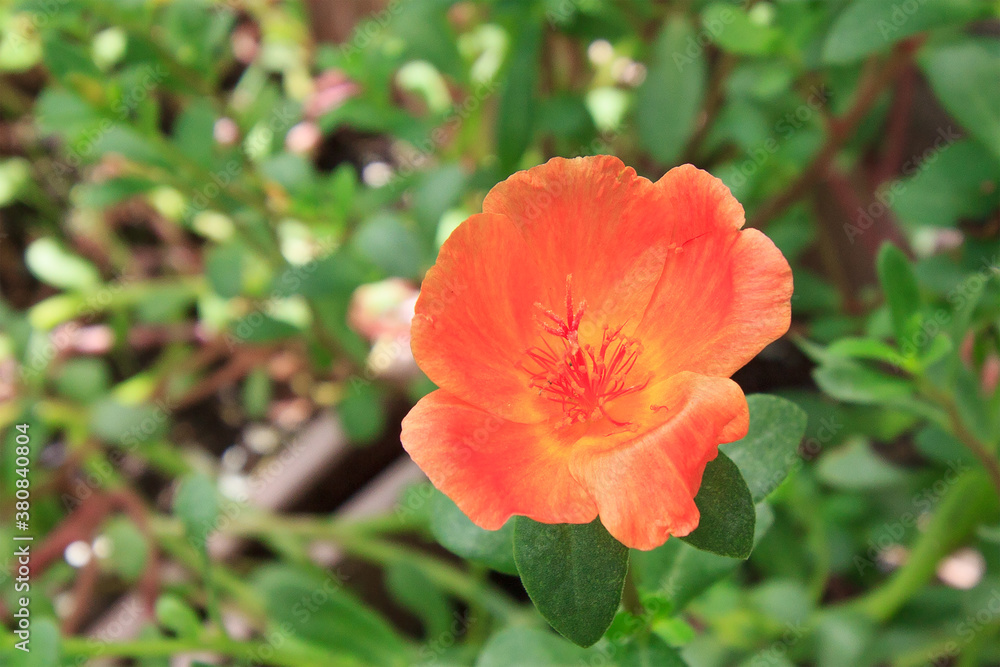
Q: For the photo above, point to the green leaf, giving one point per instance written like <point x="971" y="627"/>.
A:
<point x="870" y="26"/>
<point x="843" y="635"/>
<point x="669" y="100"/>
<point x="938" y="445"/>
<point x="129" y="548"/>
<point x="224" y="269"/>
<point x="193" y="132"/>
<point x="867" y="348"/>
<point x="127" y="425"/>
<point x="197" y="506"/>
<point x="362" y="413"/>
<point x="44" y="646"/>
<point x="516" y="109"/>
<point x="737" y="31"/>
<point x="112" y="191"/>
<point x="853" y="382"/>
<point x="574" y="573"/>
<point x="414" y="591"/>
<point x="84" y="379"/>
<point x="132" y="145"/>
<point x="964" y="75"/>
<point x="257" y="393"/>
<point x="727" y="511"/>
<point x="15" y="176"/>
<point x="391" y="245"/>
<point x="322" y="613"/>
<point x="682" y="572"/>
<point x="939" y="347"/>
<point x="900" y="286"/>
<point x="648" y="650"/>
<point x="855" y="466"/>
<point x="771" y="445"/>
<point x="518" y="646"/>
<point x="957" y="180"/>
<point x="262" y="328"/>
<point x="175" y="615"/>
<point x="456" y="533"/>
<point x="54" y="265"/>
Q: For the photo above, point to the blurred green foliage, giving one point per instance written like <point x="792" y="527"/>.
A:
<point x="189" y="190"/>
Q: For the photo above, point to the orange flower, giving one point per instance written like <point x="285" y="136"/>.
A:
<point x="582" y="331"/>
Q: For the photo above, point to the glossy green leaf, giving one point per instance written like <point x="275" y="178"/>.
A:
<point x="770" y="448"/>
<point x="870" y="26"/>
<point x="574" y="573"/>
<point x="727" y="519"/>
<point x="668" y="101"/>
<point x="964" y="74"/>
<point x="456" y="533"/>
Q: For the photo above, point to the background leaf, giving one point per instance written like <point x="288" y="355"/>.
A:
<point x="870" y="26"/>
<point x="456" y="533"/>
<point x="515" y="647"/>
<point x="668" y="100"/>
<point x="964" y="74"/>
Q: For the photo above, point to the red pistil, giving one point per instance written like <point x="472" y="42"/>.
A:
<point x="580" y="377"/>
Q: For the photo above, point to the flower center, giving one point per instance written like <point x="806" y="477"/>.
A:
<point x="582" y="378"/>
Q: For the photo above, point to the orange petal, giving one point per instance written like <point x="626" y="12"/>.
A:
<point x="595" y="219"/>
<point x="494" y="468"/>
<point x="721" y="299"/>
<point x="645" y="488"/>
<point x="697" y="202"/>
<point x="475" y="317"/>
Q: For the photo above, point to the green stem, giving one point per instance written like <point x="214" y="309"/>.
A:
<point x="161" y="647"/>
<point x="956" y="426"/>
<point x="171" y="541"/>
<point x="361" y="543"/>
<point x="967" y="504"/>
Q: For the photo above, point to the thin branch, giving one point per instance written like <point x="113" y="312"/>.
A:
<point x="840" y="130"/>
